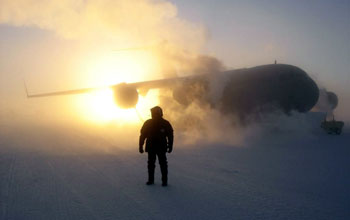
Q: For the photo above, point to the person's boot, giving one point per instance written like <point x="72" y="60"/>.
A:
<point x="164" y="180"/>
<point x="150" y="178"/>
<point x="164" y="171"/>
<point x="149" y="182"/>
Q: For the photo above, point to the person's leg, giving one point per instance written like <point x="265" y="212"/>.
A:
<point x="163" y="167"/>
<point x="151" y="166"/>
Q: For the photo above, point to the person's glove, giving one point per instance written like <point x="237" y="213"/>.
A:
<point x="141" y="150"/>
<point x="170" y="148"/>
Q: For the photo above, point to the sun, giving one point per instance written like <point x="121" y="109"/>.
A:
<point x="99" y="106"/>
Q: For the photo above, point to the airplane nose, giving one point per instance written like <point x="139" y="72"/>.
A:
<point x="307" y="94"/>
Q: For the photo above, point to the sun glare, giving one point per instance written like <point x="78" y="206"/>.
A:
<point x="99" y="106"/>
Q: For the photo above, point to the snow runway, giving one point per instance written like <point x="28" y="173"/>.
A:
<point x="306" y="178"/>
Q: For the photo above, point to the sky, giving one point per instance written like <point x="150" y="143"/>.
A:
<point x="311" y="34"/>
<point x="55" y="45"/>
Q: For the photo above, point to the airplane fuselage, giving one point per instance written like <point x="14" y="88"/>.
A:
<point x="254" y="90"/>
<point x="261" y="88"/>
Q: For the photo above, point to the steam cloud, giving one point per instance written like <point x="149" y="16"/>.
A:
<point x="119" y="24"/>
<point x="146" y="20"/>
<point x="327" y="102"/>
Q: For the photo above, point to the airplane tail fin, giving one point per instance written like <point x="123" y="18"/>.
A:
<point x="25" y="86"/>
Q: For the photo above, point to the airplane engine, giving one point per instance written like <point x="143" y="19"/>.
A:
<point x="182" y="96"/>
<point x="186" y="93"/>
<point x="125" y="96"/>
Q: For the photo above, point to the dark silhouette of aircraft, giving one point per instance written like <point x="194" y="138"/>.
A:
<point x="242" y="91"/>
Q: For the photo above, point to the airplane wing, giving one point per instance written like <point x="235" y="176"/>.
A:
<point x="160" y="83"/>
<point x="152" y="84"/>
<point x="57" y="93"/>
<point x="68" y="92"/>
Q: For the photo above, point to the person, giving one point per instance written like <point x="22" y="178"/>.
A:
<point x="159" y="137"/>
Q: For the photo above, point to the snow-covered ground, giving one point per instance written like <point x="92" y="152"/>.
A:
<point x="57" y="174"/>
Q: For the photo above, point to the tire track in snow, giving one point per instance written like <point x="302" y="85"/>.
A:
<point x="74" y="205"/>
<point x="130" y="196"/>
<point x="97" y="191"/>
<point x="6" y="200"/>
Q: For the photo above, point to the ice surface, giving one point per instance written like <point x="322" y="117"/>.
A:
<point x="45" y="174"/>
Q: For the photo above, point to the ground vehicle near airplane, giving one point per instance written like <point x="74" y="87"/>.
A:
<point x="240" y="91"/>
<point x="332" y="126"/>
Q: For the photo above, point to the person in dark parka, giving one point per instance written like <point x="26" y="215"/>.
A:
<point x="159" y="137"/>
